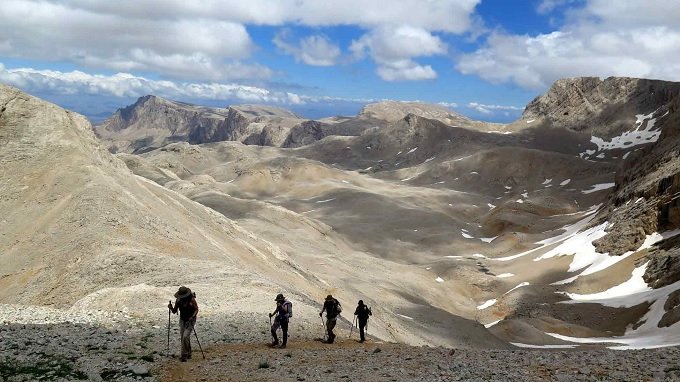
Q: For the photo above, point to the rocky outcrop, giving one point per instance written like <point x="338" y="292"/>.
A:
<point x="305" y="133"/>
<point x="603" y="107"/>
<point x="393" y="111"/>
<point x="152" y="122"/>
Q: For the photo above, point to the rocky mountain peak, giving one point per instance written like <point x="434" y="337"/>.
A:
<point x="393" y="111"/>
<point x="255" y="111"/>
<point x="607" y="106"/>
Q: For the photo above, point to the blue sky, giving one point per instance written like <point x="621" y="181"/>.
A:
<point x="482" y="58"/>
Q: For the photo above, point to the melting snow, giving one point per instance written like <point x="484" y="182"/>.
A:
<point x="628" y="139"/>
<point x="518" y="286"/>
<point x="520" y="201"/>
<point x="486" y="304"/>
<point x="598" y="187"/>
<point x="508" y="188"/>
<point x="521" y="345"/>
<point x="547" y="181"/>
<point x="564" y="183"/>
<point x="487" y="239"/>
<point x="474" y="172"/>
<point x="466" y="235"/>
<point x="525" y="194"/>
<point x="505" y="275"/>
<point x="406" y="317"/>
<point x="565" y="281"/>
<point x="439" y="280"/>
<point x="490" y="205"/>
<point x="325" y="201"/>
<point x="407" y="179"/>
<point x="632" y="286"/>
<point x="529" y="121"/>
<point x="569" y="231"/>
<point x="344" y="181"/>
<point x="412" y="150"/>
<point x="429" y="159"/>
<point x="490" y="324"/>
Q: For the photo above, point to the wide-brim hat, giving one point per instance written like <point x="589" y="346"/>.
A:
<point x="183" y="292"/>
<point x="279" y="297"/>
<point x="329" y="297"/>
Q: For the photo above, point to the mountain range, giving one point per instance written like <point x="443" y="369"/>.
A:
<point x="557" y="230"/>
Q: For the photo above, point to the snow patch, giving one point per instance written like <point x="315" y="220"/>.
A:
<point x="598" y="187"/>
<point x="439" y="280"/>
<point x="505" y="275"/>
<point x="521" y="345"/>
<point x="412" y="150"/>
<point x="490" y="324"/>
<point x="564" y="183"/>
<point x="486" y="304"/>
<point x="523" y="284"/>
<point x="403" y="316"/>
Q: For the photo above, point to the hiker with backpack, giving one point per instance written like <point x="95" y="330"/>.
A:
<point x="188" y="309"/>
<point x="362" y="312"/>
<point x="283" y="313"/>
<point x="333" y="309"/>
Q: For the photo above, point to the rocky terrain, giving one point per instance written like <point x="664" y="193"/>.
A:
<point x="557" y="235"/>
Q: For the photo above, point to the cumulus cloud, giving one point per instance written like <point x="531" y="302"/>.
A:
<point x="632" y="38"/>
<point x="316" y="50"/>
<point x="393" y="50"/>
<point x="441" y="15"/>
<point x="128" y="85"/>
<point x="490" y="109"/>
<point x="205" y="40"/>
<point x="125" y="85"/>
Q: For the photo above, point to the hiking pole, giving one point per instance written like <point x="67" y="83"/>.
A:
<point x="199" y="342"/>
<point x="325" y="333"/>
<point x="352" y="328"/>
<point x="168" y="352"/>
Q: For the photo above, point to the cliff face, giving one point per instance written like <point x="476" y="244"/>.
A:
<point x="152" y="122"/>
<point x="602" y="107"/>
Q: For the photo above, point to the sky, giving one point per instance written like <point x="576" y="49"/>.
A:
<point x="485" y="59"/>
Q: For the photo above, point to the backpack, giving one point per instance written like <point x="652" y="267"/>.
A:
<point x="290" y="308"/>
<point x="335" y="309"/>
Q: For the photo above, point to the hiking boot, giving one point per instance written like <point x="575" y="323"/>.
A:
<point x="283" y="346"/>
<point x="182" y="359"/>
<point x="275" y="343"/>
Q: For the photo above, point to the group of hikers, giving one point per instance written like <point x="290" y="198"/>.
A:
<point x="187" y="306"/>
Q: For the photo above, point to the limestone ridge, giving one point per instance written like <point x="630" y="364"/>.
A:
<point x="601" y="107"/>
<point x="153" y="122"/>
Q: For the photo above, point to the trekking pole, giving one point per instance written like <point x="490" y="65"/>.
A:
<point x="325" y="333"/>
<point x="352" y="328"/>
<point x="168" y="352"/>
<point x="199" y="342"/>
<point x="270" y="326"/>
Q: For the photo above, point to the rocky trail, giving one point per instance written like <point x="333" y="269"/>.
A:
<point x="38" y="343"/>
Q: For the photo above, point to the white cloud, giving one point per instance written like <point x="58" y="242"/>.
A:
<point x="490" y="109"/>
<point x="128" y="85"/>
<point x="316" y="50"/>
<point x="632" y="38"/>
<point x="440" y="15"/>
<point x="204" y="40"/>
<point x="393" y="50"/>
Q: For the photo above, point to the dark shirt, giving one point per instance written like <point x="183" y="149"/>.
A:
<point x="187" y="307"/>
<point x="329" y="307"/>
<point x="363" y="312"/>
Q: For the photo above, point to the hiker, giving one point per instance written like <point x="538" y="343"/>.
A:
<point x="283" y="312"/>
<point x="333" y="309"/>
<point x="362" y="312"/>
<point x="188" y="309"/>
